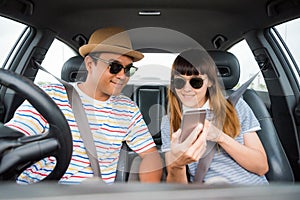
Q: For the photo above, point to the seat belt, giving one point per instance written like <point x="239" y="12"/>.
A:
<point x="203" y="166"/>
<point x="205" y="162"/>
<point x="82" y="122"/>
<point x="234" y="97"/>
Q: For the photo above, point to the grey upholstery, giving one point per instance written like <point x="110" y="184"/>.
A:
<point x="279" y="167"/>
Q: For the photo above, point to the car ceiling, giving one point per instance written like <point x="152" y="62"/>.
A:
<point x="201" y="20"/>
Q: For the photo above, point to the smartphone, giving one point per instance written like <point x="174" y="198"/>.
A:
<point x="190" y="119"/>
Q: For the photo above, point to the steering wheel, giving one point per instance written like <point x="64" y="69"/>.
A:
<point x="17" y="151"/>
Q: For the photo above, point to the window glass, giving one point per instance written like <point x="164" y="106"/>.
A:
<point x="154" y="68"/>
<point x="56" y="56"/>
<point x="248" y="66"/>
<point x="10" y="34"/>
<point x="289" y="32"/>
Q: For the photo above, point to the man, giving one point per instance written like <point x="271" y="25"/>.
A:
<point x="113" y="118"/>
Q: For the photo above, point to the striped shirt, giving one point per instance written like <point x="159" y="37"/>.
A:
<point x="113" y="121"/>
<point x="222" y="165"/>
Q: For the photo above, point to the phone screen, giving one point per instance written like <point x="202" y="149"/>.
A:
<point x="190" y="119"/>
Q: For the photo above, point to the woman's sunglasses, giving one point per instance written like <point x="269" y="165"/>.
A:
<point x="115" y="67"/>
<point x="196" y="83"/>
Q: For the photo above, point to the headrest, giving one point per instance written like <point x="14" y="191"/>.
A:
<point x="74" y="70"/>
<point x="228" y="66"/>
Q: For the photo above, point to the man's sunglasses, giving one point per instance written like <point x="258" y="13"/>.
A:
<point x="115" y="67"/>
<point x="196" y="83"/>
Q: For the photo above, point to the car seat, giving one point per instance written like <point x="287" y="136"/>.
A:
<point x="229" y="71"/>
<point x="74" y="70"/>
<point x="151" y="100"/>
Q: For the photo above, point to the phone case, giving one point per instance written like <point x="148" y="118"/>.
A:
<point x="190" y="119"/>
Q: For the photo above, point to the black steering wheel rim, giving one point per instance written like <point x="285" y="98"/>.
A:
<point x="59" y="134"/>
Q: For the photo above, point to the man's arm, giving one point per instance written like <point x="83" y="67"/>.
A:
<point x="27" y="120"/>
<point x="151" y="166"/>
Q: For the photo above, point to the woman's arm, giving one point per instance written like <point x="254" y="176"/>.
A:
<point x="176" y="173"/>
<point x="184" y="153"/>
<point x="250" y="155"/>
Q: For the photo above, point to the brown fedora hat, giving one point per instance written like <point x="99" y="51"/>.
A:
<point x="112" y="40"/>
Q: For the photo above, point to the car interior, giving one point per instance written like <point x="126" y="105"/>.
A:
<point x="152" y="101"/>
<point x="164" y="28"/>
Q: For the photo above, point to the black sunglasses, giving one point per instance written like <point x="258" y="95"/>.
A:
<point x="196" y="83"/>
<point x="115" y="67"/>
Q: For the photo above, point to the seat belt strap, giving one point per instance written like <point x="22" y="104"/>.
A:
<point x="205" y="162"/>
<point x="234" y="97"/>
<point x="82" y="122"/>
<point x="203" y="166"/>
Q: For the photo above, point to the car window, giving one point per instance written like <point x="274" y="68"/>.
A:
<point x="11" y="31"/>
<point x="154" y="68"/>
<point x="289" y="33"/>
<point x="56" y="56"/>
<point x="248" y="66"/>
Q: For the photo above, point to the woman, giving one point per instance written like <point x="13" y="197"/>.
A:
<point x="239" y="157"/>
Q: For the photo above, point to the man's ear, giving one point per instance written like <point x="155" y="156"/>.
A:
<point x="88" y="61"/>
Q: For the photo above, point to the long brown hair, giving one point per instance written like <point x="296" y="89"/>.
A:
<point x="195" y="62"/>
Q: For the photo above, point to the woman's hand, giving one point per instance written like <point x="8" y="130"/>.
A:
<point x="184" y="153"/>
<point x="214" y="133"/>
<point x="188" y="151"/>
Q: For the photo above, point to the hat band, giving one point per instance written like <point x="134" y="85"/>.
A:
<point x="122" y="46"/>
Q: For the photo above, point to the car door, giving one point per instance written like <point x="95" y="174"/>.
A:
<point x="21" y="45"/>
<point x="276" y="51"/>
